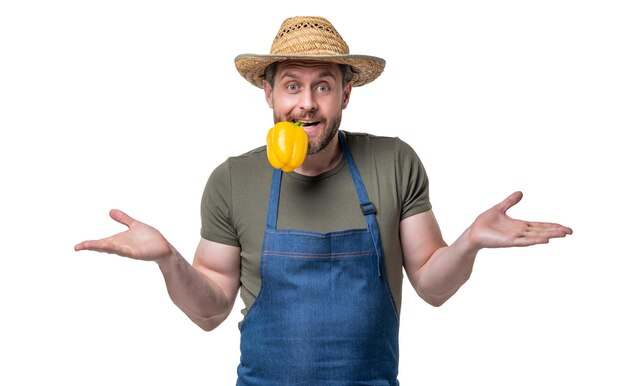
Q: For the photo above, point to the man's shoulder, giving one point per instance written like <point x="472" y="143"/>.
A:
<point x="367" y="137"/>
<point x="361" y="141"/>
<point x="246" y="160"/>
<point x="245" y="165"/>
<point x="249" y="156"/>
<point x="376" y="139"/>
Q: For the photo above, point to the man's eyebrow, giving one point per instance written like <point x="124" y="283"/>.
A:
<point x="329" y="74"/>
<point x="324" y="74"/>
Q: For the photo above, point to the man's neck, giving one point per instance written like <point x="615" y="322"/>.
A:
<point x="325" y="160"/>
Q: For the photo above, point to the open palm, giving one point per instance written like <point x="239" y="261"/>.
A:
<point x="140" y="241"/>
<point x="495" y="229"/>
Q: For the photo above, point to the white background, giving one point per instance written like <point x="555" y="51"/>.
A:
<point x="131" y="104"/>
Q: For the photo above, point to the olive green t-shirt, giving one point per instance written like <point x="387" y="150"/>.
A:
<point x="235" y="200"/>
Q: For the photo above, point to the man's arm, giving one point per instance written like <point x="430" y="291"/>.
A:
<point x="437" y="270"/>
<point x="205" y="291"/>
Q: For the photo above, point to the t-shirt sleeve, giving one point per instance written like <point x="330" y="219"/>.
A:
<point x="413" y="181"/>
<point x="216" y="208"/>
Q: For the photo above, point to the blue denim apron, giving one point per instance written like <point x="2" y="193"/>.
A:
<point x="324" y="314"/>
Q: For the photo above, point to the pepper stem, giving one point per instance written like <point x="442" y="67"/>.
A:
<point x="298" y="123"/>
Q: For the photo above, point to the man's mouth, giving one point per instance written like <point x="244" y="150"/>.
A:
<point x="308" y="123"/>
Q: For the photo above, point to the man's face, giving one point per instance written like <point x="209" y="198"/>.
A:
<point x="312" y="93"/>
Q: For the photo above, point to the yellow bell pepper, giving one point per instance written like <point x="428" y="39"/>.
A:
<point x="287" y="146"/>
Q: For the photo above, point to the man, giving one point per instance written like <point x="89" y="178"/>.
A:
<point x="317" y="255"/>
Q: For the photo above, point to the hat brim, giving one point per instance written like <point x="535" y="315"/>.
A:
<point x="366" y="68"/>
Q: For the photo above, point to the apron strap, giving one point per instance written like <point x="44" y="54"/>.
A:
<point x="272" y="210"/>
<point x="367" y="208"/>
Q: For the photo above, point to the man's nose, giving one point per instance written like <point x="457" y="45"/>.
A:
<point x="308" y="102"/>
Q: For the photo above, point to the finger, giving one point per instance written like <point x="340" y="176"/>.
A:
<point x="545" y="233"/>
<point x="121" y="217"/>
<point x="510" y="201"/>
<point x="550" y="228"/>
<point x="104" y="245"/>
<point x="528" y="241"/>
<point x="540" y="233"/>
<point x="80" y="246"/>
<point x="89" y="245"/>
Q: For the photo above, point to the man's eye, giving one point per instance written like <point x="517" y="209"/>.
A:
<point x="324" y="88"/>
<point x="292" y="87"/>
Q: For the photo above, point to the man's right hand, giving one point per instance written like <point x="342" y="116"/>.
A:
<point x="140" y="241"/>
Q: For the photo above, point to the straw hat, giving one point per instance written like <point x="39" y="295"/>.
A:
<point x="309" y="38"/>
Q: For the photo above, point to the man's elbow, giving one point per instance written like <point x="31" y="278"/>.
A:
<point x="435" y="296"/>
<point x="208" y="324"/>
<point x="435" y="301"/>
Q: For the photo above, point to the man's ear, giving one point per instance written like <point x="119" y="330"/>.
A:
<point x="267" y="88"/>
<point x="346" y="95"/>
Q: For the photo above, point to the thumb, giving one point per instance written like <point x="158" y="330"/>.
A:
<point x="121" y="217"/>
<point x="510" y="201"/>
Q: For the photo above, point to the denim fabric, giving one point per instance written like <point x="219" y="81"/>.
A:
<point x="324" y="315"/>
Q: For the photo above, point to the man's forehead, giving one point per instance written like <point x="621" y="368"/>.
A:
<point x="308" y="65"/>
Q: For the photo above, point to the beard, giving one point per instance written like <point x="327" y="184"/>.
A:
<point x="327" y="136"/>
<point x="330" y="131"/>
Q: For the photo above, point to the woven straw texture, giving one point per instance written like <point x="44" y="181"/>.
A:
<point x="309" y="38"/>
